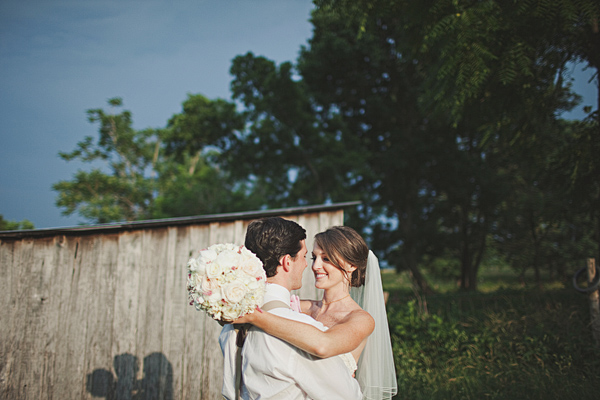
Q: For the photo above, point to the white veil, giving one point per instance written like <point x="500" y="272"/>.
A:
<point x="376" y="372"/>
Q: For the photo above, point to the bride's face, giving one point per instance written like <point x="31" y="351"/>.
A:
<point x="327" y="275"/>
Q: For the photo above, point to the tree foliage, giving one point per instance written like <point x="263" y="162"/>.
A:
<point x="153" y="173"/>
<point x="6" y="225"/>
<point x="124" y="193"/>
<point x="288" y="152"/>
<point x="441" y="116"/>
<point x="485" y="79"/>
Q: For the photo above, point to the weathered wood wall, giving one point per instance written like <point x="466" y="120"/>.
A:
<point x="106" y="315"/>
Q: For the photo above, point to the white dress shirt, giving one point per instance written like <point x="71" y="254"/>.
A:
<point x="273" y="369"/>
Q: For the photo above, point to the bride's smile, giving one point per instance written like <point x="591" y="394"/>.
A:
<point x="320" y="276"/>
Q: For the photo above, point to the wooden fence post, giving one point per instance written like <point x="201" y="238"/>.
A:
<point x="594" y="300"/>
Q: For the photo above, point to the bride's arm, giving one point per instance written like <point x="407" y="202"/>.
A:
<point x="341" y="338"/>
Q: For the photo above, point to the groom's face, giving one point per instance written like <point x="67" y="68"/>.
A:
<point x="298" y="266"/>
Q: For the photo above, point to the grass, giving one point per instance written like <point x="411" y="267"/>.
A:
<point x="505" y="341"/>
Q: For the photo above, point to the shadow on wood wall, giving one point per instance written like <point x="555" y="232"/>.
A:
<point x="122" y="384"/>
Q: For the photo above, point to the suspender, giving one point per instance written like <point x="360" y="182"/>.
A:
<point x="242" y="332"/>
<point x="271" y="305"/>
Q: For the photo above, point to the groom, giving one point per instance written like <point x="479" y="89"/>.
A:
<point x="270" y="367"/>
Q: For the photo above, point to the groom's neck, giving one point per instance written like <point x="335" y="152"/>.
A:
<point x="280" y="280"/>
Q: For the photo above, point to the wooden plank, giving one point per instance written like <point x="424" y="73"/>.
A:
<point x="239" y="232"/>
<point x="310" y="222"/>
<point x="324" y="221"/>
<point x="192" y="373"/>
<point x="102" y="264"/>
<point x="124" y="324"/>
<point x="90" y="275"/>
<point x="245" y="224"/>
<point x="43" y="326"/>
<point x="32" y="316"/>
<point x="8" y="281"/>
<point x="173" y="321"/>
<point x="151" y="309"/>
<point x="58" y="273"/>
<point x="178" y="303"/>
<point x="36" y="319"/>
<point x="23" y="305"/>
<point x="48" y="328"/>
<point x="336" y="217"/>
<point x="71" y="360"/>
<point x="222" y="232"/>
<point x="69" y="260"/>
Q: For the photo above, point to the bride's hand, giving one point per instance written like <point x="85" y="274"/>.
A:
<point x="248" y="318"/>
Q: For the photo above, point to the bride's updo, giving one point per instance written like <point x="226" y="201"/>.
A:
<point x="342" y="243"/>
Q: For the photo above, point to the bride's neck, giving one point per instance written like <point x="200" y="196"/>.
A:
<point x="335" y="294"/>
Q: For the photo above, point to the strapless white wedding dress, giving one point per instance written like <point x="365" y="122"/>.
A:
<point x="349" y="361"/>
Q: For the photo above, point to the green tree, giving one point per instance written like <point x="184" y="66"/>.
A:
<point x="6" y="225"/>
<point x="360" y="80"/>
<point x="191" y="177"/>
<point x="287" y="152"/>
<point x="120" y="190"/>
<point x="514" y="57"/>
<point x="154" y="173"/>
<point x="483" y="78"/>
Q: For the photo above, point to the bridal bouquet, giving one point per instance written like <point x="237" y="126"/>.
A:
<point x="226" y="281"/>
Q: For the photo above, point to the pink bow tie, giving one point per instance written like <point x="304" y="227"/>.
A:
<point x="295" y="303"/>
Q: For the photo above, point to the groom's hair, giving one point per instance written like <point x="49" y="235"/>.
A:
<point x="272" y="238"/>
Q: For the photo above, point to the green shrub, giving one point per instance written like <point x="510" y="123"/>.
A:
<point x="512" y="344"/>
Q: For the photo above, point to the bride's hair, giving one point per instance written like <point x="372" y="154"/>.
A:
<point x="342" y="243"/>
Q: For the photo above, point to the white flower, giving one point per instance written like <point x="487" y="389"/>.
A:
<point x="208" y="284"/>
<point x="213" y="270"/>
<point x="207" y="256"/>
<point x="234" y="292"/>
<point x="247" y="253"/>
<point x="229" y="315"/>
<point x="213" y="296"/>
<point x="195" y="265"/>
<point x="254" y="285"/>
<point x="227" y="260"/>
<point x="253" y="267"/>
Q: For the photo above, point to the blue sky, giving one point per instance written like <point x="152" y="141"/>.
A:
<point x="59" y="58"/>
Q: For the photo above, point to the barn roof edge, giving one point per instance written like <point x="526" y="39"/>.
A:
<point x="158" y="223"/>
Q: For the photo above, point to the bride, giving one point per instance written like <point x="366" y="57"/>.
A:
<point x="352" y="309"/>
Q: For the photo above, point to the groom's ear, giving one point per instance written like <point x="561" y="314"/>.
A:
<point x="285" y="262"/>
